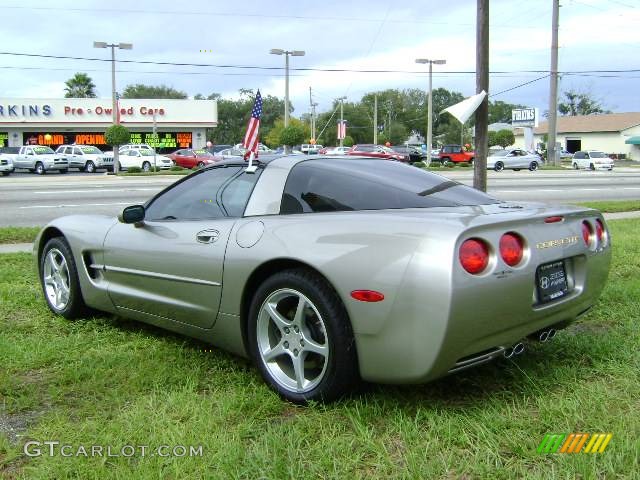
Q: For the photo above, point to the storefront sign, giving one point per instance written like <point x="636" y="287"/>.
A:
<point x="169" y="140"/>
<point x="524" y="117"/>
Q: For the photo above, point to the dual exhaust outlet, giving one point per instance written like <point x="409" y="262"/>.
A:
<point x="541" y="335"/>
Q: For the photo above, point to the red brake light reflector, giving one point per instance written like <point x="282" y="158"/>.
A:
<point x="474" y="255"/>
<point x="599" y="231"/>
<point x="586" y="233"/>
<point x="554" y="219"/>
<point x="511" y="249"/>
<point x="367" y="295"/>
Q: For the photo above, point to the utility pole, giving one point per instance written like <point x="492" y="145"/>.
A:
<point x="342" y="99"/>
<point x="155" y="140"/>
<point x="313" y="121"/>
<point x="375" y="119"/>
<point x="553" y="87"/>
<point x="482" y="83"/>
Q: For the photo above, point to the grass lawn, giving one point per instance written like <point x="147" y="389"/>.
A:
<point x="108" y="381"/>
<point x="18" y="234"/>
<point x="614" y="205"/>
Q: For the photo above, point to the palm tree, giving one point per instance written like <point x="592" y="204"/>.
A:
<point x="80" y="86"/>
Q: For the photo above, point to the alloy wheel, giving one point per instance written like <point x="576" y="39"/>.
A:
<point x="292" y="340"/>
<point x="55" y="275"/>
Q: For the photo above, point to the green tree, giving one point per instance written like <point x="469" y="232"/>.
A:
<point x="117" y="135"/>
<point x="580" y="103"/>
<point x="80" y="86"/>
<point x="500" y="112"/>
<point x="294" y="134"/>
<point x="493" y="140"/>
<point x="505" y="138"/>
<point x="347" y="141"/>
<point x="140" y="90"/>
<point x="274" y="137"/>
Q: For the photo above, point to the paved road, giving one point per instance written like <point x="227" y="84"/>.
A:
<point x="27" y="199"/>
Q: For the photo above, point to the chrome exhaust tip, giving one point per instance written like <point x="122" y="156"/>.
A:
<point x="552" y="333"/>
<point x="544" y="336"/>
<point x="517" y="349"/>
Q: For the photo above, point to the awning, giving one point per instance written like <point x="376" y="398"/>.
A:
<point x="632" y="141"/>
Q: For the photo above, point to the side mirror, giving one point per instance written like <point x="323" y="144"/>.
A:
<point x="132" y="214"/>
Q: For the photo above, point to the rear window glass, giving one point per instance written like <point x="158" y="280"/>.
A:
<point x="346" y="185"/>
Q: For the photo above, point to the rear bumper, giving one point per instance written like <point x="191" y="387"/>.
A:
<point x="438" y="328"/>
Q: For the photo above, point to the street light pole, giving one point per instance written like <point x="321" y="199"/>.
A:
<point x="286" y="53"/>
<point x="430" y="103"/>
<point x="114" y="97"/>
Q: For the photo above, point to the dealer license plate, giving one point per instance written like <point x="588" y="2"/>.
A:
<point x="551" y="281"/>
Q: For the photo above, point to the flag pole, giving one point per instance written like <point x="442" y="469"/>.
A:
<point x="251" y="168"/>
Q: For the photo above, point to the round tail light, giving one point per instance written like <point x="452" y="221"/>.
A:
<point x="600" y="232"/>
<point x="474" y="255"/>
<point x="511" y="248"/>
<point x="587" y="232"/>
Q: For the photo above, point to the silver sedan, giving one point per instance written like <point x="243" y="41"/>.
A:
<point x="514" y="159"/>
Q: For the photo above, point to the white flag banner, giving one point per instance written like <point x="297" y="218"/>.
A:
<point x="463" y="110"/>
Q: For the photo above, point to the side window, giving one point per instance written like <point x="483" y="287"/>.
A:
<point x="77" y="151"/>
<point x="193" y="199"/>
<point x="236" y="193"/>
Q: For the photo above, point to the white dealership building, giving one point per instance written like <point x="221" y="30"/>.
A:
<point x="57" y="121"/>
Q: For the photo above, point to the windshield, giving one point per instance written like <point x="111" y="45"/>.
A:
<point x="42" y="150"/>
<point x="597" y="155"/>
<point x="203" y="153"/>
<point x="90" y="149"/>
<point x="145" y="152"/>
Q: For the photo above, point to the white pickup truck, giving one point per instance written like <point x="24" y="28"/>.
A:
<point x="7" y="154"/>
<point x="40" y="159"/>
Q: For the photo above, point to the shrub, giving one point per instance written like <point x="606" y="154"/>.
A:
<point x="117" y="135"/>
<point x="177" y="168"/>
<point x="134" y="170"/>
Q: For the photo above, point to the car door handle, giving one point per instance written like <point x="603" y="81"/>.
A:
<point x="208" y="236"/>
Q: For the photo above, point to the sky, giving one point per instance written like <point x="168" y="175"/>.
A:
<point x="595" y="35"/>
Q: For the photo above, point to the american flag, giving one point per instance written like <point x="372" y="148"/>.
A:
<point x="251" y="138"/>
<point x="342" y="129"/>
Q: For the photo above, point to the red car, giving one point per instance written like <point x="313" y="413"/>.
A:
<point x="377" y="151"/>
<point x="189" y="158"/>
<point x="455" y="154"/>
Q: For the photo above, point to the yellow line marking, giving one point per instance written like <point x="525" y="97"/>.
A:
<point x="605" y="443"/>
<point x="590" y="444"/>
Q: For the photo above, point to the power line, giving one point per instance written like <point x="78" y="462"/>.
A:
<point x="521" y="85"/>
<point x="300" y="69"/>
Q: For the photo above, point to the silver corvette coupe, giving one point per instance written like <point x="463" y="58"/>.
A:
<point x="328" y="270"/>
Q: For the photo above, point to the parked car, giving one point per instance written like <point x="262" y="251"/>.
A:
<point x="7" y="154"/>
<point x="592" y="159"/>
<point x="131" y="146"/>
<point x="85" y="157"/>
<point x="377" y="151"/>
<point x="334" y="150"/>
<point x="262" y="148"/>
<point x="512" y="159"/>
<point x="190" y="158"/>
<point x="455" y="154"/>
<point x="310" y="149"/>
<point x="40" y="159"/>
<point x="214" y="149"/>
<point x="143" y="159"/>
<point x="291" y="266"/>
<point x="415" y="154"/>
<point x="231" y="153"/>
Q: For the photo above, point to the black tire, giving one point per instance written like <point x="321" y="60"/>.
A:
<point x="90" y="167"/>
<point x="444" y="160"/>
<point x="471" y="161"/>
<point x="146" y="167"/>
<point x="40" y="168"/>
<point x="575" y="166"/>
<point x="533" y="166"/>
<point x="592" y="166"/>
<point x="517" y="169"/>
<point x="200" y="165"/>
<point x="340" y="374"/>
<point x="6" y="174"/>
<point x="64" y="170"/>
<point x="75" y="307"/>
<point x="498" y="167"/>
